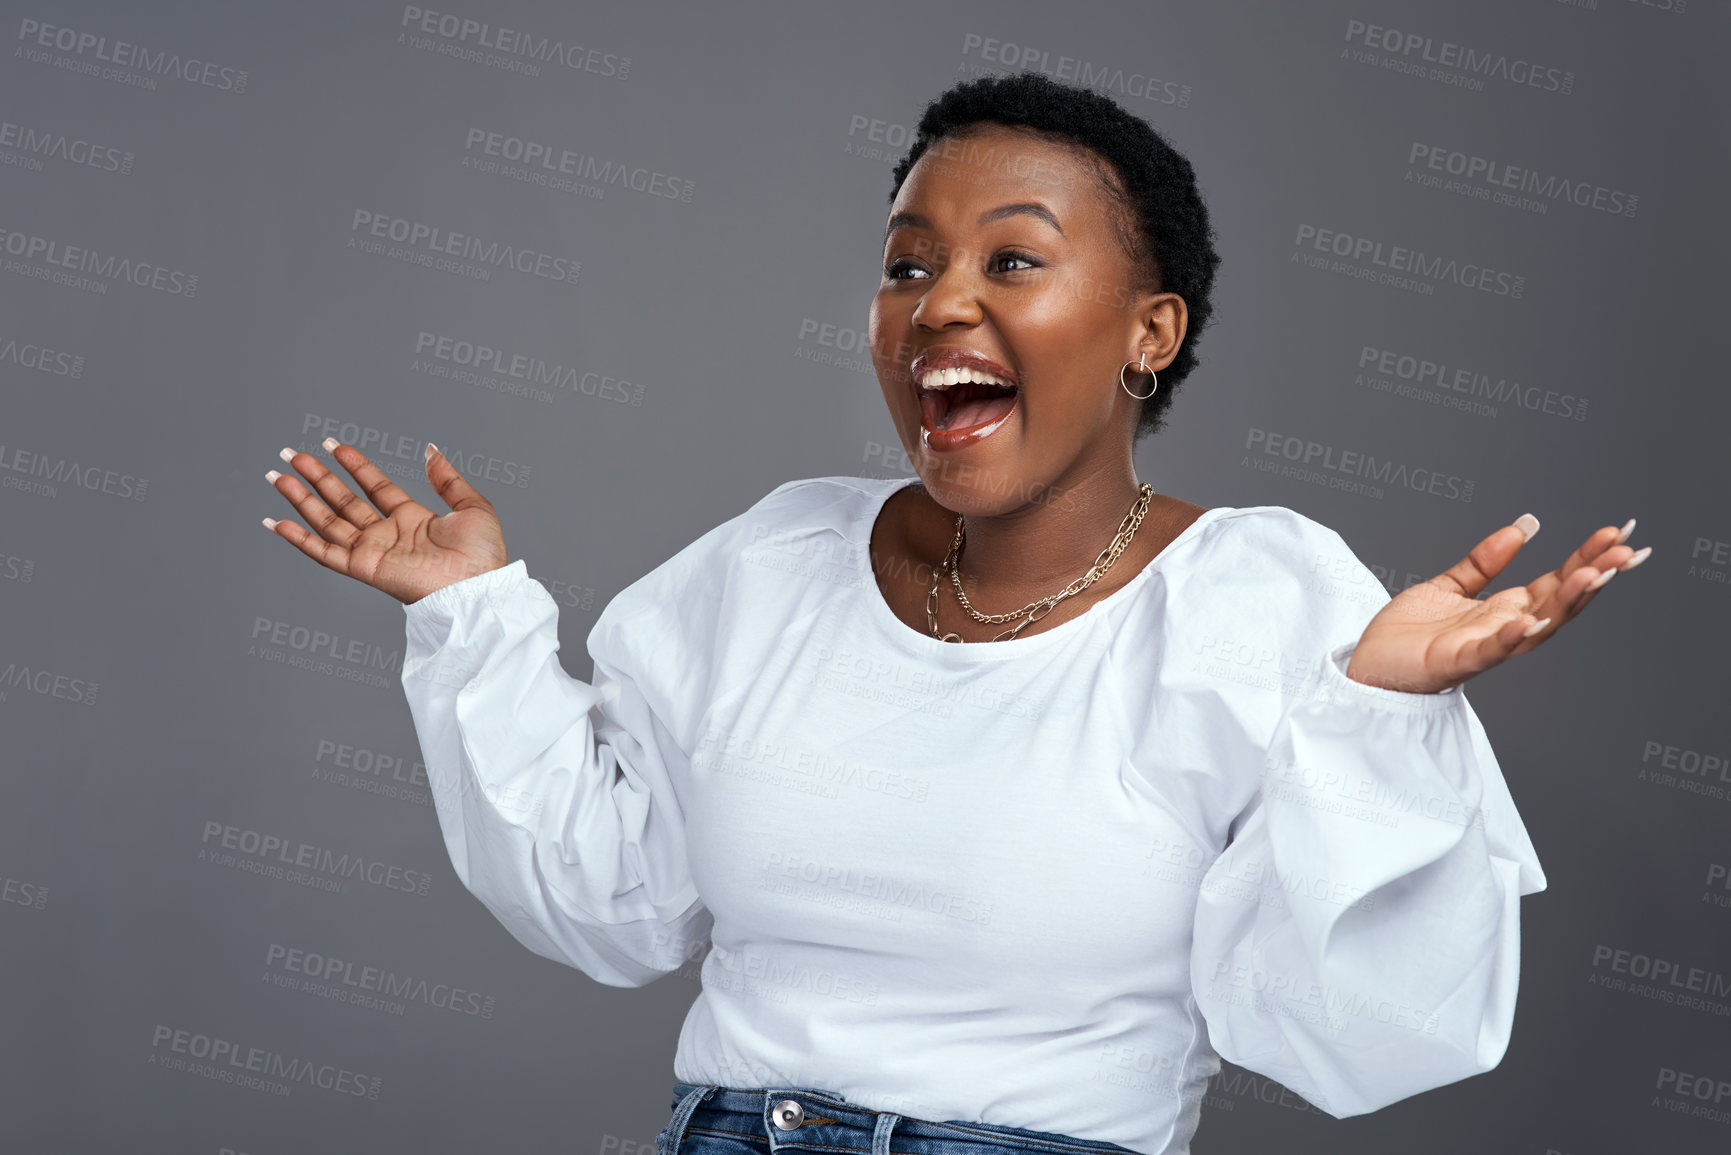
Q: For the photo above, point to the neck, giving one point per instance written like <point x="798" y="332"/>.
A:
<point x="1035" y="549"/>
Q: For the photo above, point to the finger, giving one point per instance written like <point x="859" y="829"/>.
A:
<point x="457" y="492"/>
<point x="1636" y="558"/>
<point x="340" y="498"/>
<point x="318" y="515"/>
<point x="1488" y="558"/>
<point x="1520" y="631"/>
<point x="1575" y="592"/>
<point x="327" y="554"/>
<point x="1592" y="578"/>
<point x="381" y="490"/>
<point x="1602" y="550"/>
<point x="1520" y="634"/>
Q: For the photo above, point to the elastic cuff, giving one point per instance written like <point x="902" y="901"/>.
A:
<point x="446" y="600"/>
<point x="1340" y="689"/>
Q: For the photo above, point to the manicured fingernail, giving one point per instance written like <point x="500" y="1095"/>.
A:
<point x="1528" y="525"/>
<point x="427" y="454"/>
<point x="1601" y="580"/>
<point x="270" y="523"/>
<point x="286" y="454"/>
<point x="1535" y="627"/>
<point x="1640" y="556"/>
<point x="271" y="475"/>
<point x="329" y="443"/>
<point x="1623" y="534"/>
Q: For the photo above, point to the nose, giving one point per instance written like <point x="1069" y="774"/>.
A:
<point x="949" y="299"/>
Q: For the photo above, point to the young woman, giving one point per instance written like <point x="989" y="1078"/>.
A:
<point x="1001" y="805"/>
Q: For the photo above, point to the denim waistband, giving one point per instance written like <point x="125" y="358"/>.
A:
<point x="830" y="1122"/>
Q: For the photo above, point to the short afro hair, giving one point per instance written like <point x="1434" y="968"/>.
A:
<point x="1170" y="244"/>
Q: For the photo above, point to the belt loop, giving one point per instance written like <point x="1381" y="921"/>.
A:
<point x="675" y="1129"/>
<point x="881" y="1133"/>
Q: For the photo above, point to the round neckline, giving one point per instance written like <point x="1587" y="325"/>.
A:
<point x="1009" y="647"/>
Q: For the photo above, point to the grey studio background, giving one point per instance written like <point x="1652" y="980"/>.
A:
<point x="1481" y="243"/>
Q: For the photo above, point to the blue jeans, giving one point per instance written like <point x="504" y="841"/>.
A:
<point x="711" y="1120"/>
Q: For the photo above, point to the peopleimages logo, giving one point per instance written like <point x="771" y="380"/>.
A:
<point x="272" y="852"/>
<point x="463" y="38"/>
<point x="230" y="1062"/>
<point x="82" y="267"/>
<point x="1341" y="468"/>
<point x="88" y="48"/>
<point x="31" y="894"/>
<point x="363" y="985"/>
<point x="545" y="163"/>
<point x="784" y="873"/>
<point x="525" y="368"/>
<point x="1517" y="186"/>
<point x="45" y="683"/>
<point x="1669" y="973"/>
<point x="1657" y="979"/>
<point x="1703" y="772"/>
<point x="765" y="975"/>
<point x="428" y="243"/>
<point x="883" y="139"/>
<point x="399" y="455"/>
<point x="20" y="468"/>
<point x="16" y="569"/>
<point x="1103" y="78"/>
<point x="1709" y="1093"/>
<point x="26" y="354"/>
<point x="1399" y="265"/>
<point x="1424" y="375"/>
<point x="34" y="143"/>
<point x="1419" y="50"/>
<point x="313" y="641"/>
<point x="731" y="753"/>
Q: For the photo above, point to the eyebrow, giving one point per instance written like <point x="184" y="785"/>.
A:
<point x="1020" y="208"/>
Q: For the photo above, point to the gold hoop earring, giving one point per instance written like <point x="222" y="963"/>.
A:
<point x="1141" y="363"/>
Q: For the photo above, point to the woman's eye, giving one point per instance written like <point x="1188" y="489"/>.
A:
<point x="897" y="268"/>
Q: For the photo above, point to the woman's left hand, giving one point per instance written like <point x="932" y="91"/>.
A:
<point x="1437" y="634"/>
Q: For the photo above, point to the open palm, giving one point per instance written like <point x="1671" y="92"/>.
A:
<point x="1438" y="634"/>
<point x="402" y="547"/>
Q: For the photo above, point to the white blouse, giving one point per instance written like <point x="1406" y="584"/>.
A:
<point x="1043" y="883"/>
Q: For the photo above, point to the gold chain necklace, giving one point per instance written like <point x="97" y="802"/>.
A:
<point x="1038" y="609"/>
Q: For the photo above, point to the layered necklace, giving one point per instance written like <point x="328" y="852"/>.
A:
<point x="1033" y="611"/>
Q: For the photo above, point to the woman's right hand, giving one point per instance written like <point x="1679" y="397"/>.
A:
<point x="409" y="551"/>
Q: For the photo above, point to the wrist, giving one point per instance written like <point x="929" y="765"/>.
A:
<point x="1378" y="683"/>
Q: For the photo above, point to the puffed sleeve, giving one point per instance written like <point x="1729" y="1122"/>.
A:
<point x="1358" y="939"/>
<point x="557" y="798"/>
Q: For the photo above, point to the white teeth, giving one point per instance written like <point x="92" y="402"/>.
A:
<point x="944" y="378"/>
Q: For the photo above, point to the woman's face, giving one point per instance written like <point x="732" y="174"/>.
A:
<point x="1002" y="248"/>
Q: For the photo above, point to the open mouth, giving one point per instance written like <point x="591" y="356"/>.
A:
<point x="959" y="399"/>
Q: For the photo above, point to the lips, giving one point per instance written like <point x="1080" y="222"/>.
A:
<point x="958" y="357"/>
<point x="972" y="398"/>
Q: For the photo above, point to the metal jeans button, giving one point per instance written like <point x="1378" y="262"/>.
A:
<point x="788" y="1114"/>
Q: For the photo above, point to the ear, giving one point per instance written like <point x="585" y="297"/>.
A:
<point x="1161" y="320"/>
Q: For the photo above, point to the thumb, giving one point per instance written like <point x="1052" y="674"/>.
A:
<point x="1488" y="558"/>
<point x="451" y="486"/>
